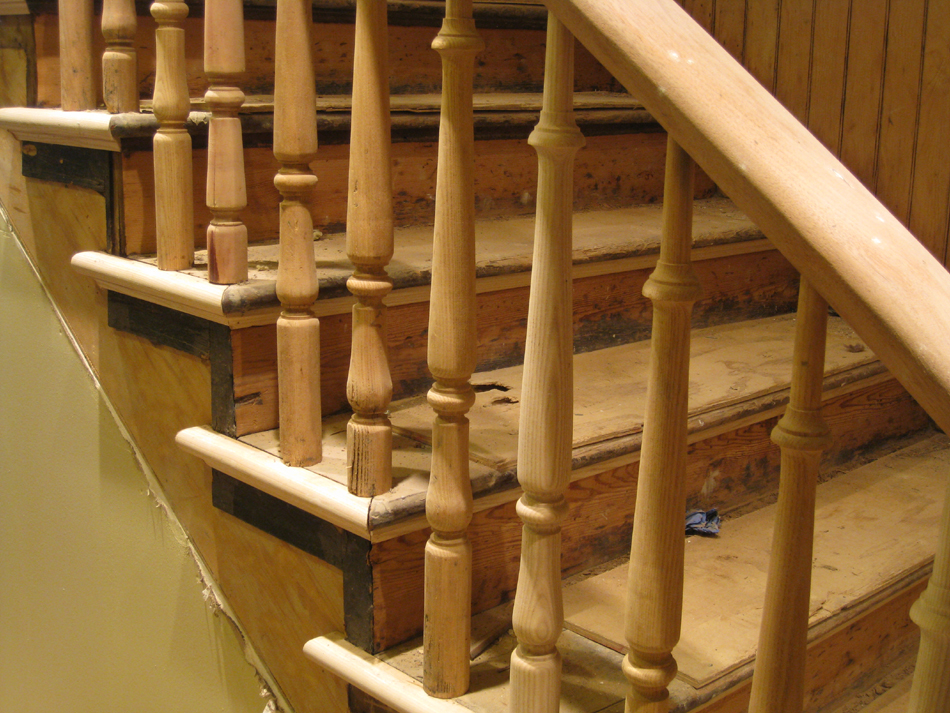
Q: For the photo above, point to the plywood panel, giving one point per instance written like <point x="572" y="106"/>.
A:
<point x="793" y="70"/>
<point x="863" y="89"/>
<point x="931" y="192"/>
<point x="900" y="105"/>
<point x="761" y="42"/>
<point x="829" y="61"/>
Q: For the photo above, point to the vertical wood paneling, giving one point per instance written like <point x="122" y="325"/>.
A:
<point x="928" y="214"/>
<point x="899" y="105"/>
<point x="761" y="42"/>
<point x="862" y="101"/>
<point x="730" y="26"/>
<point x="794" y="56"/>
<point x="829" y="63"/>
<point x="701" y="11"/>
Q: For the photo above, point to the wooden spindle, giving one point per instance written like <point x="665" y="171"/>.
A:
<point x="546" y="426"/>
<point x="76" y="65"/>
<point x="778" y="685"/>
<point x="930" y="691"/>
<point x="451" y="356"/>
<point x="369" y="245"/>
<point x="226" y="189"/>
<point x="655" y="582"/>
<point x="295" y="145"/>
<point x="120" y="87"/>
<point x="174" y="211"/>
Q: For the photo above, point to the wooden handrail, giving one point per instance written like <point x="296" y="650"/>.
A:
<point x="864" y="262"/>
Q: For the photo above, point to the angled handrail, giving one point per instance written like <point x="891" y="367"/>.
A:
<point x="830" y="227"/>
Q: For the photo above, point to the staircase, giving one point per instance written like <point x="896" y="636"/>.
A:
<point x="328" y="539"/>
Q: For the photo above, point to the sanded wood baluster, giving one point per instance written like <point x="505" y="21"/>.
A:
<point x="174" y="211"/>
<point x="778" y="685"/>
<point x="295" y="145"/>
<point x="451" y="355"/>
<point x="120" y="86"/>
<point x="226" y="189"/>
<point x="546" y="426"/>
<point x="655" y="583"/>
<point x="930" y="692"/>
<point x="76" y="64"/>
<point x="369" y="245"/>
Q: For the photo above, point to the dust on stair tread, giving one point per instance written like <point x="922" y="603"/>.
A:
<point x="874" y="526"/>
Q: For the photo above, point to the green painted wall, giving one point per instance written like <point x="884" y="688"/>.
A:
<point x="101" y="607"/>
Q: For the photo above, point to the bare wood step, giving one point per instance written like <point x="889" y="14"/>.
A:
<point x="883" y="516"/>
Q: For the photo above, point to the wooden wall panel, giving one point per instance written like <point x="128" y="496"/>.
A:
<point x="761" y="42"/>
<point x="931" y="192"/>
<point x="900" y="105"/>
<point x="702" y="12"/>
<point x="793" y="66"/>
<point x="862" y="102"/>
<point x="829" y="63"/>
<point x="730" y="26"/>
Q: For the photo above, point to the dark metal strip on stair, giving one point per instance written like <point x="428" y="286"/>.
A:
<point x="335" y="546"/>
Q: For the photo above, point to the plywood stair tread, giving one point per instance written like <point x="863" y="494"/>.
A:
<point x="876" y="527"/>
<point x="604" y="242"/>
<point x="739" y="373"/>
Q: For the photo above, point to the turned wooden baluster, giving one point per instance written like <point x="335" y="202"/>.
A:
<point x="295" y="145"/>
<point x="448" y="573"/>
<point x="226" y="191"/>
<point x="655" y="582"/>
<point x="76" y="66"/>
<point x="120" y="87"/>
<point x="546" y="427"/>
<point x="930" y="692"/>
<point x="174" y="210"/>
<point x="369" y="245"/>
<point x="778" y="685"/>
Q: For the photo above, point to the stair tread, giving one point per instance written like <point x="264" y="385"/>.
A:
<point x="739" y="370"/>
<point x="875" y="529"/>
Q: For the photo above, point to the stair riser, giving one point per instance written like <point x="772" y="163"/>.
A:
<point x="513" y="59"/>
<point x="724" y="471"/>
<point x="610" y="172"/>
<point x="608" y="309"/>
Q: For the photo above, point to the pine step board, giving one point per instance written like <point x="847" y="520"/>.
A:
<point x="876" y="528"/>
<point x="740" y="377"/>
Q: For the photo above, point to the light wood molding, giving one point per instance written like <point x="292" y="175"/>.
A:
<point x="388" y="685"/>
<point x="870" y="268"/>
<point x="83" y="129"/>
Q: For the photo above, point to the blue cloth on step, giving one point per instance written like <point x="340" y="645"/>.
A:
<point x="699" y="522"/>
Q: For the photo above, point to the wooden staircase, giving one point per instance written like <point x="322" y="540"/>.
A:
<point x="304" y="553"/>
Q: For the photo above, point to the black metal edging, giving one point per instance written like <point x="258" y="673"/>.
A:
<point x="315" y="536"/>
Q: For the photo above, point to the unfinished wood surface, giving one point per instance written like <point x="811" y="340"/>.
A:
<point x="546" y="418"/>
<point x="931" y="188"/>
<point x="826" y="100"/>
<point x="702" y="12"/>
<point x="801" y="433"/>
<point x="900" y="106"/>
<point x="655" y="586"/>
<point x="171" y="147"/>
<point x="761" y="40"/>
<point x="298" y="330"/>
<point x="931" y="689"/>
<point x="860" y="549"/>
<point x="874" y="272"/>
<point x="369" y="246"/>
<point x="863" y="89"/>
<point x="452" y="359"/>
<point x="226" y="189"/>
<point x="77" y="73"/>
<point x="120" y="88"/>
